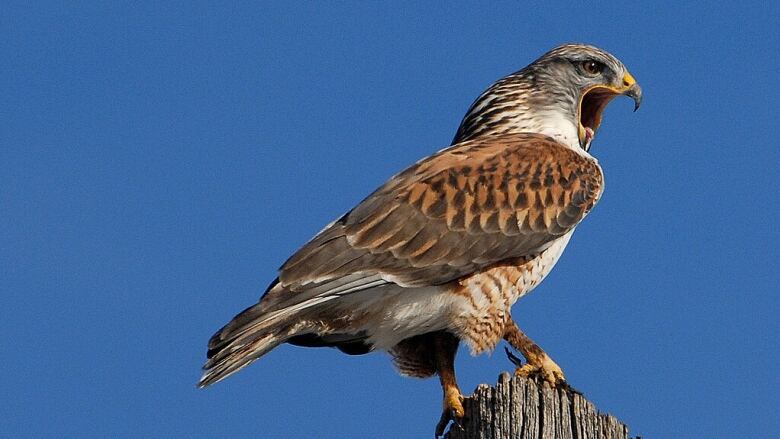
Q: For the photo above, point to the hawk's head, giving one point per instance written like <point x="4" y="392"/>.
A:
<point x="563" y="94"/>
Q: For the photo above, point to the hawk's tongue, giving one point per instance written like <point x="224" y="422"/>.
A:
<point x="589" y="133"/>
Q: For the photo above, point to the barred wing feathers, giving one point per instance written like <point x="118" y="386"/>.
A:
<point x="466" y="207"/>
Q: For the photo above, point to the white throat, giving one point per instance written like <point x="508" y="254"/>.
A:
<point x="557" y="126"/>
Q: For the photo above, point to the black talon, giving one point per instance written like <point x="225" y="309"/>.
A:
<point x="446" y="417"/>
<point x="456" y="421"/>
<point x="513" y="358"/>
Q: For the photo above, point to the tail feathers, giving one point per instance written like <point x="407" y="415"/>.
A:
<point x="235" y="358"/>
<point x="250" y="335"/>
<point x="277" y="319"/>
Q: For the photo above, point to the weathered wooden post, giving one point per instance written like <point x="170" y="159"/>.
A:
<point x="520" y="408"/>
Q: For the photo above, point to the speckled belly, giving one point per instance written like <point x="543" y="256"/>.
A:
<point x="487" y="297"/>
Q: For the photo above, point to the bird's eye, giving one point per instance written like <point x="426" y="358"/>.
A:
<point x="591" y="67"/>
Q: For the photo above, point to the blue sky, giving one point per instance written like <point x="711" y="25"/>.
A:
<point x="158" y="163"/>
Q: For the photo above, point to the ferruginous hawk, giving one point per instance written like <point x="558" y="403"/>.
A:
<point x="439" y="253"/>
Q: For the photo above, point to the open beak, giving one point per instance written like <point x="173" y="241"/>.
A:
<point x="595" y="100"/>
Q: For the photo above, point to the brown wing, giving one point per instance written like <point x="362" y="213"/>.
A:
<point x="461" y="209"/>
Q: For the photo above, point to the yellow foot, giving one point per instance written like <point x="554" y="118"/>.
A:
<point x="543" y="367"/>
<point x="548" y="371"/>
<point x="452" y="411"/>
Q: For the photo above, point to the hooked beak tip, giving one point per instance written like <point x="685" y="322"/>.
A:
<point x="635" y="93"/>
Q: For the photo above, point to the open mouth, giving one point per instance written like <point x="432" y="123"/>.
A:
<point x="592" y="106"/>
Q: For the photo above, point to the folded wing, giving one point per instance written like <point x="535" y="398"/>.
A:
<point x="466" y="207"/>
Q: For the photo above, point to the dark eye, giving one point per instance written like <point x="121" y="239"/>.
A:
<point x="592" y="68"/>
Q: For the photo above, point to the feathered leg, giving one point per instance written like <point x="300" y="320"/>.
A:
<point x="445" y="347"/>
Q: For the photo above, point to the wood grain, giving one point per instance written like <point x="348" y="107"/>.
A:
<point x="520" y="408"/>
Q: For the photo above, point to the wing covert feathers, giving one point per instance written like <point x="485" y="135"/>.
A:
<point x="465" y="207"/>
